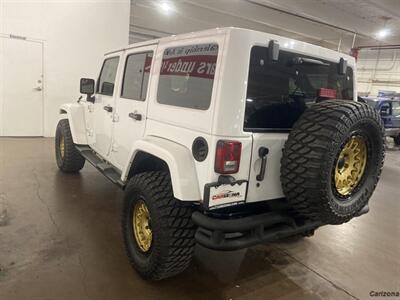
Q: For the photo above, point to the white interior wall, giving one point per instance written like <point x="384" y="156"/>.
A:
<point x="378" y="70"/>
<point x="75" y="34"/>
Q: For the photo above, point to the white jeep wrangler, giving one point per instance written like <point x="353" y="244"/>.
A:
<point x="226" y="138"/>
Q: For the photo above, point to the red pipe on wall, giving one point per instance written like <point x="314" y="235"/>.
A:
<point x="356" y="51"/>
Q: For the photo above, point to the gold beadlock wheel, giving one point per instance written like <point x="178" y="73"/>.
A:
<point x="141" y="226"/>
<point x="62" y="147"/>
<point x="153" y="220"/>
<point x="350" y="166"/>
<point x="332" y="160"/>
<point x="68" y="157"/>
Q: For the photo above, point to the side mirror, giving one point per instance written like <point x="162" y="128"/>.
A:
<point x="87" y="87"/>
<point x="342" y="67"/>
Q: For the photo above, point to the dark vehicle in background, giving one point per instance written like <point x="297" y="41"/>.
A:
<point x="389" y="108"/>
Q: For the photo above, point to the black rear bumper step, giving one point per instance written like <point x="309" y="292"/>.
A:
<point x="106" y="169"/>
<point x="234" y="234"/>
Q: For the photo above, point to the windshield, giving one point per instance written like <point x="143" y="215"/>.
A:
<point x="278" y="92"/>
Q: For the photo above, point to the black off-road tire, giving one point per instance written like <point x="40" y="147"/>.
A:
<point x="172" y="228"/>
<point x="311" y="153"/>
<point x="396" y="140"/>
<point x="72" y="161"/>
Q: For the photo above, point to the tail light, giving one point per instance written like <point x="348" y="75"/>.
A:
<point x="227" y="157"/>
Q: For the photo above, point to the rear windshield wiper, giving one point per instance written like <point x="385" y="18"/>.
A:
<point x="307" y="61"/>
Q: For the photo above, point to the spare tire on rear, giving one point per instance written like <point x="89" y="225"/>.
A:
<point x="332" y="160"/>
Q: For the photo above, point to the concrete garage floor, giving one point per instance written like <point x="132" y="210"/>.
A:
<point x="61" y="239"/>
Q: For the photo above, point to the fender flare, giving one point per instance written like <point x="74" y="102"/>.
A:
<point x="179" y="160"/>
<point x="75" y="114"/>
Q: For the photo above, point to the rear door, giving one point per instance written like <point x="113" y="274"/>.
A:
<point x="278" y="92"/>
<point x="131" y="103"/>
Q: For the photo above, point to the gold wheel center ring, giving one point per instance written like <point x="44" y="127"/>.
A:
<point x="350" y="165"/>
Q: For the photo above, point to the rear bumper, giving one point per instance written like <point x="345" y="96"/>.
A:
<point x="233" y="234"/>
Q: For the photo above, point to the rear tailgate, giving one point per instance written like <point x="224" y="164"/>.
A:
<point x="269" y="187"/>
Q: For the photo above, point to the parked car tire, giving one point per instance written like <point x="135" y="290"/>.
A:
<point x="158" y="230"/>
<point x="68" y="158"/>
<point x="332" y="160"/>
<point x="396" y="140"/>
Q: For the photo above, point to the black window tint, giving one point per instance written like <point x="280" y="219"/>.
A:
<point x="107" y="76"/>
<point x="278" y="92"/>
<point x="136" y="76"/>
<point x="187" y="76"/>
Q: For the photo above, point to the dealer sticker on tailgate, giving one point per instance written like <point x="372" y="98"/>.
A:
<point x="226" y="194"/>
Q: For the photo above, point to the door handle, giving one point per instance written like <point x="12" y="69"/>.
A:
<point x="39" y="88"/>
<point x="135" y="116"/>
<point x="262" y="152"/>
<point x="108" y="108"/>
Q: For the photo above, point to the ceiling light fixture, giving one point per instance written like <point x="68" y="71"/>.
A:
<point x="381" y="34"/>
<point x="165" y="7"/>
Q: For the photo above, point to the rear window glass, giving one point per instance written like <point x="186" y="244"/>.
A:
<point x="278" y="92"/>
<point x="187" y="76"/>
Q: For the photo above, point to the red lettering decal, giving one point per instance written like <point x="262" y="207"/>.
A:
<point x="147" y="64"/>
<point x="202" y="66"/>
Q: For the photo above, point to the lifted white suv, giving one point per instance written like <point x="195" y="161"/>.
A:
<point x="226" y="137"/>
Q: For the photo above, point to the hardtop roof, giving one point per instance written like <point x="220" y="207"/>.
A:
<point x="175" y="37"/>
<point x="219" y="31"/>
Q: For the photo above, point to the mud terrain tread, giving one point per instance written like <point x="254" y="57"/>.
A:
<point x="73" y="161"/>
<point x="175" y="229"/>
<point x="304" y="168"/>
